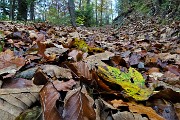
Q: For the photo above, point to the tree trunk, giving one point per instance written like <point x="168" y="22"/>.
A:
<point x="13" y="8"/>
<point x="88" y="15"/>
<point x="96" y="14"/>
<point x="22" y="10"/>
<point x="71" y="7"/>
<point x="32" y="11"/>
<point x="5" y="12"/>
<point x="88" y="2"/>
<point x="101" y="11"/>
<point x="80" y="3"/>
<point x="10" y="10"/>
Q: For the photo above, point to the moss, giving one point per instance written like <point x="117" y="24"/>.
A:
<point x="80" y="44"/>
<point x="83" y="46"/>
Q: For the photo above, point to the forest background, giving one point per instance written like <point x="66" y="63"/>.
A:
<point x="87" y="12"/>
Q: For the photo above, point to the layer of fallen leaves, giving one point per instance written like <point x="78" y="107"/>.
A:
<point x="129" y="73"/>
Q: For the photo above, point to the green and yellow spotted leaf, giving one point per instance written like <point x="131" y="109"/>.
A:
<point x="132" y="82"/>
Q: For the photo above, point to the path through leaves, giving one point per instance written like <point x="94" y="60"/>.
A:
<point x="62" y="73"/>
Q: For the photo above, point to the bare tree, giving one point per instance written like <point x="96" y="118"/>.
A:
<point x="71" y="7"/>
<point x="32" y="17"/>
<point x="12" y="9"/>
<point x="22" y="10"/>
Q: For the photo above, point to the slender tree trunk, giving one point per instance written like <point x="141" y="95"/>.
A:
<point x="96" y="14"/>
<point x="64" y="10"/>
<point x="111" y="11"/>
<point x="5" y="12"/>
<point x="88" y="2"/>
<point x="88" y="15"/>
<point x="80" y="3"/>
<point x="10" y="10"/>
<point x="101" y="11"/>
<point x="32" y="17"/>
<point x="13" y="8"/>
<point x="22" y="10"/>
<point x="71" y="7"/>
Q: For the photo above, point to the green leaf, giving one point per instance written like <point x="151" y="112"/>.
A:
<point x="132" y="82"/>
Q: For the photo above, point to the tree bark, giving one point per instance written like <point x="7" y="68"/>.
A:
<point x="80" y="3"/>
<point x="71" y="7"/>
<point x="5" y="12"/>
<point x="96" y="14"/>
<point x="22" y="10"/>
<point x="10" y="10"/>
<point x="32" y="11"/>
<point x="101" y="11"/>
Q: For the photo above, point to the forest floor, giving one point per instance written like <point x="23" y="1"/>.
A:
<point x="61" y="73"/>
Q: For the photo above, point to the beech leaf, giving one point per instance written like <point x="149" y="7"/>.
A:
<point x="48" y="96"/>
<point x="78" y="106"/>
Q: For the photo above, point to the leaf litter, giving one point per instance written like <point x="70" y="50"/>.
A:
<point x="89" y="73"/>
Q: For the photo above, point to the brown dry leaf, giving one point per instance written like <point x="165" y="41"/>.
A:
<point x="56" y="71"/>
<point x="153" y="69"/>
<point x="100" y="83"/>
<point x="134" y="59"/>
<point x="78" y="105"/>
<point x="52" y="71"/>
<point x="17" y="83"/>
<point x="40" y="37"/>
<point x="83" y="70"/>
<point x="154" y="73"/>
<point x="168" y="95"/>
<point x="9" y="63"/>
<point x="48" y="97"/>
<point x="168" y="56"/>
<point x="164" y="108"/>
<point x="77" y="55"/>
<point x="64" y="86"/>
<point x="95" y="60"/>
<point x="74" y="35"/>
<point x="33" y="35"/>
<point x="54" y="51"/>
<point x="51" y="31"/>
<point x="118" y="60"/>
<point x="40" y="78"/>
<point x="168" y="86"/>
<point x="177" y="108"/>
<point x="151" y="59"/>
<point x="102" y="110"/>
<point x="139" y="109"/>
<point x="1" y="82"/>
<point x="171" y="79"/>
<point x="14" y="101"/>
<point x="127" y="116"/>
<point x="42" y="49"/>
<point x="174" y="69"/>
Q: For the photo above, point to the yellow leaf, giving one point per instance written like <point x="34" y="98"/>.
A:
<point x="132" y="82"/>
